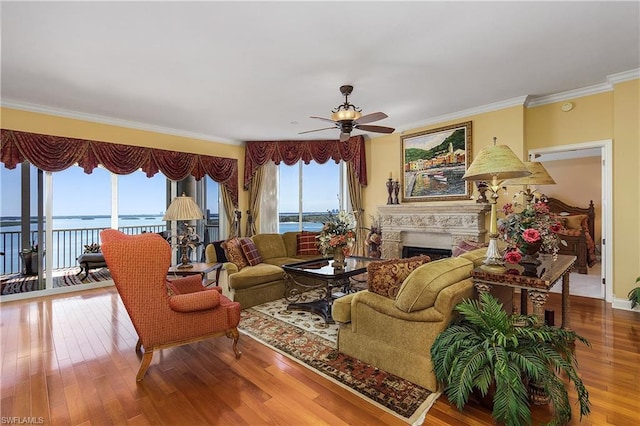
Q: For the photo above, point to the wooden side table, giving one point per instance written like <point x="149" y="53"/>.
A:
<point x="198" y="268"/>
<point x="537" y="288"/>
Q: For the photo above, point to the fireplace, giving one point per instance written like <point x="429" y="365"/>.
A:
<point x="433" y="253"/>
<point x="439" y="225"/>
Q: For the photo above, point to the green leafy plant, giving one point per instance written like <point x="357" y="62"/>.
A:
<point x="634" y="295"/>
<point x="486" y="347"/>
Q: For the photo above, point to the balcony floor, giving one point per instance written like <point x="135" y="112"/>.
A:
<point x="18" y="283"/>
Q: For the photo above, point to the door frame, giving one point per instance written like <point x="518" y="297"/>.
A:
<point x="605" y="147"/>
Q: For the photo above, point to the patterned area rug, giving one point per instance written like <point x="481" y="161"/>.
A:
<point x="304" y="338"/>
<point x="62" y="278"/>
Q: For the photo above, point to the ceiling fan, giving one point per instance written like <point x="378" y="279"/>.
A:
<point x="347" y="117"/>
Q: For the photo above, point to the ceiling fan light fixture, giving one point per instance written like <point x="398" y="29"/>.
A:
<point x="346" y="115"/>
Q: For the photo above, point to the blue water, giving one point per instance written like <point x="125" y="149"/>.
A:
<point x="10" y="261"/>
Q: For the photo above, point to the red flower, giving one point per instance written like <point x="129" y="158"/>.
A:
<point x="507" y="208"/>
<point x="513" y="256"/>
<point x="531" y="235"/>
<point x="556" y="228"/>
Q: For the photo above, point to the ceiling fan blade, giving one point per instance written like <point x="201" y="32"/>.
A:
<point x="344" y="137"/>
<point x="369" y="118"/>
<point x="316" y="130"/>
<point x="377" y="129"/>
<point x="323" y="119"/>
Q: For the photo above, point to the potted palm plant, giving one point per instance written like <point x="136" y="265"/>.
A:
<point x="484" y="347"/>
<point x="634" y="295"/>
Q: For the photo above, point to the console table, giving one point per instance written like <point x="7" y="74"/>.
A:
<point x="549" y="272"/>
<point x="198" y="268"/>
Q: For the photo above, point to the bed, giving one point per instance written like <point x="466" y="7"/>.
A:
<point x="578" y="231"/>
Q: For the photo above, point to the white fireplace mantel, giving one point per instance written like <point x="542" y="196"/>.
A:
<point x="441" y="225"/>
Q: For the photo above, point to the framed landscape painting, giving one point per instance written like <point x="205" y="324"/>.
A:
<point x="433" y="163"/>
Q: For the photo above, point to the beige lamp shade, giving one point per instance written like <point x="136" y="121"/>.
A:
<point x="498" y="161"/>
<point x="183" y="208"/>
<point x="538" y="176"/>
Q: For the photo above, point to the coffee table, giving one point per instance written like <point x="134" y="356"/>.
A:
<point x="301" y="277"/>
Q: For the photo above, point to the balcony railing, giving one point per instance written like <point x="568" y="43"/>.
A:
<point x="68" y="244"/>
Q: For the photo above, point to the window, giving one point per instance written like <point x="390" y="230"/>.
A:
<point x="307" y="192"/>
<point x="211" y="210"/>
<point x="141" y="202"/>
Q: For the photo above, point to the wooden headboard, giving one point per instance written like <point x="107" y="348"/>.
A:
<point x="557" y="206"/>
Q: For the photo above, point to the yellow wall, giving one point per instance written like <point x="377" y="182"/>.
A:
<point x="59" y="126"/>
<point x="384" y="154"/>
<point x="626" y="184"/>
<point x="591" y="119"/>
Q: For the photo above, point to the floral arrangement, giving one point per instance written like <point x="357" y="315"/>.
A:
<point x="338" y="231"/>
<point x="374" y="238"/>
<point x="535" y="225"/>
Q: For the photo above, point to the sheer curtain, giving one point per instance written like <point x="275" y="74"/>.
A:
<point x="355" y="195"/>
<point x="269" y="199"/>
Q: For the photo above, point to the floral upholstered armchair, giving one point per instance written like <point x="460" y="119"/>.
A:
<point x="162" y="318"/>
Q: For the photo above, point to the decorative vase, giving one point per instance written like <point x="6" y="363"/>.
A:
<point x="338" y="258"/>
<point x="373" y="243"/>
<point x="530" y="259"/>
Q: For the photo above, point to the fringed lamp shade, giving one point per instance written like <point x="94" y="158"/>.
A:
<point x="495" y="160"/>
<point x="183" y="208"/>
<point x="538" y="176"/>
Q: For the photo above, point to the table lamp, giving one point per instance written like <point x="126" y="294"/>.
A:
<point x="183" y="209"/>
<point x="538" y="176"/>
<point x="493" y="165"/>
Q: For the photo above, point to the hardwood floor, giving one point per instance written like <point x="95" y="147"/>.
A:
<point x="70" y="360"/>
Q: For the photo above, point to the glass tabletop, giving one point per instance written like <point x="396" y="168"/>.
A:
<point x="324" y="267"/>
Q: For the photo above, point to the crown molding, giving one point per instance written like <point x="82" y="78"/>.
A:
<point x="624" y="76"/>
<point x="585" y="91"/>
<point x="24" y="106"/>
<point x="569" y="94"/>
<point x="519" y="101"/>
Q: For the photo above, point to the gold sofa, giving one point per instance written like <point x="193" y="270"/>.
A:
<point x="264" y="282"/>
<point x="396" y="335"/>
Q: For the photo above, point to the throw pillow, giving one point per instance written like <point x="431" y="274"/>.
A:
<point x="233" y="251"/>
<point x="467" y="246"/>
<point x="385" y="277"/>
<point x="221" y="256"/>
<point x="307" y="244"/>
<point x="250" y="251"/>
<point x="577" y="221"/>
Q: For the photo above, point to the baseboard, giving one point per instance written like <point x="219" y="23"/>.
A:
<point x="624" y="304"/>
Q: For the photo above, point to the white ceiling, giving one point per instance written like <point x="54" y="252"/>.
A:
<point x="236" y="71"/>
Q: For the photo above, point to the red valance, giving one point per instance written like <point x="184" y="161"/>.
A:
<point x="56" y="153"/>
<point x="258" y="153"/>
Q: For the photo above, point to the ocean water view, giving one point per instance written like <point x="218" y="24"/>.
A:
<point x="73" y="233"/>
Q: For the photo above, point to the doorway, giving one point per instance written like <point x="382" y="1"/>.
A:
<point x="580" y="155"/>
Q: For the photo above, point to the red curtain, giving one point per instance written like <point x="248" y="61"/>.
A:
<point x="258" y="153"/>
<point x="56" y="153"/>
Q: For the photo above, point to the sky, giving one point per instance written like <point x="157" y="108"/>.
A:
<point x="321" y="187"/>
<point x="79" y="194"/>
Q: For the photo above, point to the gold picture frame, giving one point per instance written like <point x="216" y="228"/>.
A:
<point x="433" y="163"/>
